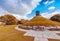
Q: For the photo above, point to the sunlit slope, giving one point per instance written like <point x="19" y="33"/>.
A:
<point x="41" y="21"/>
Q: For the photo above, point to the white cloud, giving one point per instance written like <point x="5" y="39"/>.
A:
<point x="48" y="15"/>
<point x="46" y="2"/>
<point x="19" y="7"/>
<point x="49" y="2"/>
<point x="51" y="8"/>
<point x="19" y="17"/>
<point x="2" y="12"/>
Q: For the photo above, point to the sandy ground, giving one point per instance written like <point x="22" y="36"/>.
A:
<point x="8" y="33"/>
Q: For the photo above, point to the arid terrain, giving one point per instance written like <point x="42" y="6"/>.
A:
<point x="8" y="33"/>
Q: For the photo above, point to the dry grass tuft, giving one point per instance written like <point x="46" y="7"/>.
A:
<point x="8" y="33"/>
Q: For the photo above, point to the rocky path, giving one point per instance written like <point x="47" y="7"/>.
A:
<point x="40" y="35"/>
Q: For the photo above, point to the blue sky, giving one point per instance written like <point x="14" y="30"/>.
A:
<point x="25" y="9"/>
<point x="44" y="7"/>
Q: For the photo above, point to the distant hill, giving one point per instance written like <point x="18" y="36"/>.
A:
<point x="8" y="19"/>
<point x="22" y="21"/>
<point x="41" y="21"/>
<point x="55" y="18"/>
